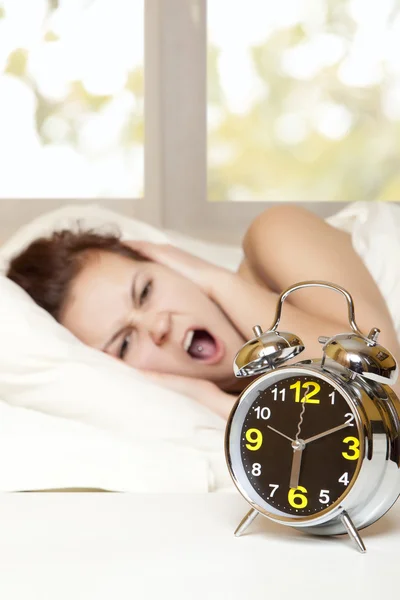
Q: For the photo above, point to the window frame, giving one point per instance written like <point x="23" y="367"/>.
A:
<point x="176" y="130"/>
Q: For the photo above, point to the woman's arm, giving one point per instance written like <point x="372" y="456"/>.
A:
<point x="247" y="304"/>
<point x="204" y="392"/>
<point x="288" y="244"/>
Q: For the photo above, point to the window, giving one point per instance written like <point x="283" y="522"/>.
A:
<point x="303" y="100"/>
<point x="72" y="98"/>
<point x="247" y="103"/>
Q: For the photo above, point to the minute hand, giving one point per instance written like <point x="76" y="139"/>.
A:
<point x="324" y="433"/>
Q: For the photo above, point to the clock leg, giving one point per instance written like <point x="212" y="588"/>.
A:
<point x="352" y="531"/>
<point x="246" y="522"/>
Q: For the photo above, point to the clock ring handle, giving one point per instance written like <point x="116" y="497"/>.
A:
<point x="323" y="284"/>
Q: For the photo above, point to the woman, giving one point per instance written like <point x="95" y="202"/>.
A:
<point x="181" y="319"/>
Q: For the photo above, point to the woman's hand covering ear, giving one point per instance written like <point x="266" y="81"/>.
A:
<point x="200" y="271"/>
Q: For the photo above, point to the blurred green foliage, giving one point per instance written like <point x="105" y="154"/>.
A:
<point x="364" y="164"/>
<point x="78" y="103"/>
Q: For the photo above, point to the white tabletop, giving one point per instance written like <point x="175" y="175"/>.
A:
<point x="117" y="546"/>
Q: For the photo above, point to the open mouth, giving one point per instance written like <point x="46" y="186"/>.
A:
<point x="203" y="346"/>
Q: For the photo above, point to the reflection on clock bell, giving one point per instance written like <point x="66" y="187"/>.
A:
<point x="266" y="351"/>
<point x="359" y="355"/>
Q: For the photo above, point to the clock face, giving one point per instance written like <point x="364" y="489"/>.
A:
<point x="297" y="444"/>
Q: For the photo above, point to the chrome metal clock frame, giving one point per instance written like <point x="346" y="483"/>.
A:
<point x="362" y="371"/>
<point x="375" y="484"/>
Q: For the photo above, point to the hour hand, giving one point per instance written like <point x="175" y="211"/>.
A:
<point x="280" y="433"/>
<point x="298" y="448"/>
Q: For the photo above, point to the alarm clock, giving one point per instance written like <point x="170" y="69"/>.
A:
<point x="315" y="444"/>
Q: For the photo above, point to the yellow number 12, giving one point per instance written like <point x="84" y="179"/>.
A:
<point x="307" y="397"/>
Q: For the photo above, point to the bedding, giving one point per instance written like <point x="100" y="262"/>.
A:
<point x="45" y="369"/>
<point x="375" y="231"/>
<point x="83" y="419"/>
<point x="44" y="452"/>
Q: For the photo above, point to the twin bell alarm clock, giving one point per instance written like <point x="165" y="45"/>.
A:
<point x="315" y="444"/>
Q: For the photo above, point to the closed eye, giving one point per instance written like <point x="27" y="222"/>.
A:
<point x="145" y="291"/>
<point x="127" y="339"/>
<point x="124" y="346"/>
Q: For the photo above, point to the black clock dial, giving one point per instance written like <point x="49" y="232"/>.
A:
<point x="299" y="476"/>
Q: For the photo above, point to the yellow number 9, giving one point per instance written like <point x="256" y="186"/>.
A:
<point x="296" y="499"/>
<point x="254" y="436"/>
<point x="354" y="445"/>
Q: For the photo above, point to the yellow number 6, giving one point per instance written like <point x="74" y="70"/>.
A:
<point x="254" y="436"/>
<point x="296" y="499"/>
<point x="354" y="445"/>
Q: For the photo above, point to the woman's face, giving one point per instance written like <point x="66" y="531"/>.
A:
<point x="145" y="314"/>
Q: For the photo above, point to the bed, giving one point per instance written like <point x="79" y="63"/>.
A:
<point x="69" y="421"/>
<point x="71" y="418"/>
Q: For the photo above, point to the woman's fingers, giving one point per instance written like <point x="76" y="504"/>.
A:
<point x="200" y="271"/>
<point x="162" y="253"/>
<point x="147" y="249"/>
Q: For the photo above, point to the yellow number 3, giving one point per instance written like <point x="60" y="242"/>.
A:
<point x="354" y="445"/>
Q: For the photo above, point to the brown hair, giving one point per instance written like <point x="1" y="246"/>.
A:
<point x="48" y="266"/>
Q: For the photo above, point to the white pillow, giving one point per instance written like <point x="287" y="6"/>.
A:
<point x="92" y="215"/>
<point x="43" y="367"/>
